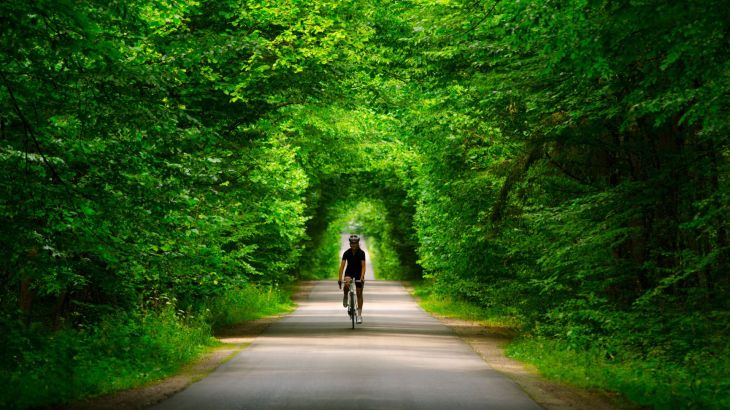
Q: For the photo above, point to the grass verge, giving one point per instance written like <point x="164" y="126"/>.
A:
<point x="123" y="351"/>
<point x="249" y="303"/>
<point x="447" y="306"/>
<point x="655" y="383"/>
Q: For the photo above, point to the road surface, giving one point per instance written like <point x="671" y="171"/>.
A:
<point x="399" y="358"/>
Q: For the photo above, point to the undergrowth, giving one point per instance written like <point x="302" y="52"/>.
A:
<point x="658" y="383"/>
<point x="248" y="304"/>
<point x="448" y="306"/>
<point x="44" y="368"/>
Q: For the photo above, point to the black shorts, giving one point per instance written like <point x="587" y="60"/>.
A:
<point x="358" y="285"/>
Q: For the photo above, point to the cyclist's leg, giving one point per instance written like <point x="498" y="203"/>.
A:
<point x="347" y="281"/>
<point x="358" y="288"/>
<point x="346" y="289"/>
<point x="359" y="303"/>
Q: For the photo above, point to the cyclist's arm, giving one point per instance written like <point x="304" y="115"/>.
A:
<point x="362" y="272"/>
<point x="342" y="269"/>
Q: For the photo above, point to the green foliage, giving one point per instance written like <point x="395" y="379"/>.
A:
<point x="564" y="163"/>
<point x="660" y="384"/>
<point x="369" y="219"/>
<point x="118" y="352"/>
<point x="252" y="302"/>
<point x="435" y="300"/>
<point x="323" y="257"/>
<point x="202" y="204"/>
<point x="322" y="261"/>
<point x="160" y="157"/>
<point x="366" y="218"/>
<point x="571" y="168"/>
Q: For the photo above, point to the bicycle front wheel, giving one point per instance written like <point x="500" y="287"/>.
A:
<point x="353" y="316"/>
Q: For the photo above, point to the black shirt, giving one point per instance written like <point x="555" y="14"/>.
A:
<point x="354" y="262"/>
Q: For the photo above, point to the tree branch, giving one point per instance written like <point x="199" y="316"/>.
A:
<point x="478" y="23"/>
<point x="566" y="172"/>
<point x="517" y="172"/>
<point x="29" y="130"/>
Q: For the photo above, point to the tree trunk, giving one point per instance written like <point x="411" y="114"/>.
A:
<point x="26" y="297"/>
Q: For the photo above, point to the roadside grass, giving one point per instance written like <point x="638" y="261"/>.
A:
<point x="120" y="352"/>
<point x="656" y="383"/>
<point x="249" y="303"/>
<point x="695" y="382"/>
<point x="448" y="306"/>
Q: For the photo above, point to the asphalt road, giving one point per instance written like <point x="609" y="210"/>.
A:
<point x="399" y="358"/>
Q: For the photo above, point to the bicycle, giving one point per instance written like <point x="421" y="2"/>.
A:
<point x="352" y="302"/>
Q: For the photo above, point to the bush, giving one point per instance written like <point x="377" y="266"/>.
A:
<point x="41" y="367"/>
<point x="697" y="381"/>
<point x="248" y="303"/>
<point x="121" y="351"/>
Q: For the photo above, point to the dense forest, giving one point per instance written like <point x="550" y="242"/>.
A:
<point x="168" y="166"/>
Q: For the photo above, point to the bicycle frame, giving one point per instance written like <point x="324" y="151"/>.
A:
<point x="352" y="301"/>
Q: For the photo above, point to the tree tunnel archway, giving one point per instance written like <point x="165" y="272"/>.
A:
<point x="381" y="212"/>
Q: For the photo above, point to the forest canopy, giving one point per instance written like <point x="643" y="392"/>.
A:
<point x="565" y="162"/>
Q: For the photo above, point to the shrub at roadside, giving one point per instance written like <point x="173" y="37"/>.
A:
<point x="248" y="303"/>
<point x="121" y="351"/>
<point x="687" y="382"/>
<point x="41" y="367"/>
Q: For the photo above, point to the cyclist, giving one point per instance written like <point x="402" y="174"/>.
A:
<point x="354" y="258"/>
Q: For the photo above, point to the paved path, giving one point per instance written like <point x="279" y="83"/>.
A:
<point x="400" y="358"/>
